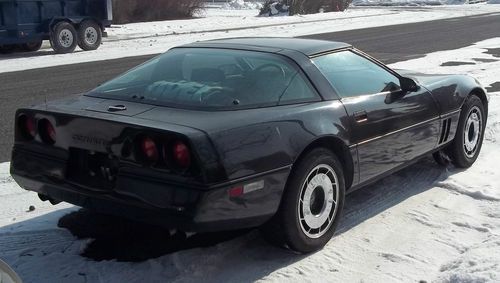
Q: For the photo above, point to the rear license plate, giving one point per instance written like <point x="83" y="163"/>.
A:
<point x="92" y="169"/>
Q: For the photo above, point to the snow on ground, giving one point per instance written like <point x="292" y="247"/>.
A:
<point x="157" y="37"/>
<point x="242" y="5"/>
<point x="408" y="2"/>
<point x="425" y="223"/>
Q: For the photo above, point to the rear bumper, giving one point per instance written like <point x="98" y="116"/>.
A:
<point x="142" y="197"/>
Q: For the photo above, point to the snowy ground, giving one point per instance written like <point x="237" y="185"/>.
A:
<point x="156" y="37"/>
<point x="425" y="224"/>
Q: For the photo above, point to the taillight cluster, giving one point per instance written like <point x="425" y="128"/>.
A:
<point x="29" y="127"/>
<point x="155" y="151"/>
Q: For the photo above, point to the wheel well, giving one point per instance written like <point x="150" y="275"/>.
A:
<point x="482" y="95"/>
<point x="340" y="150"/>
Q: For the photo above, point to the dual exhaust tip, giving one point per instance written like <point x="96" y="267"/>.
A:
<point x="49" y="199"/>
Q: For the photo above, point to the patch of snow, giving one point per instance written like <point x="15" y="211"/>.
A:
<point x="157" y="37"/>
<point x="425" y="223"/>
<point x="407" y="2"/>
<point x="242" y="5"/>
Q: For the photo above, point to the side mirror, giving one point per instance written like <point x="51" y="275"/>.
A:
<point x="408" y="85"/>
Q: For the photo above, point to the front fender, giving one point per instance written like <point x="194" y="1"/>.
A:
<point x="449" y="91"/>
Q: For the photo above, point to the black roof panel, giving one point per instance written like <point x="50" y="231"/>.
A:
<point x="307" y="46"/>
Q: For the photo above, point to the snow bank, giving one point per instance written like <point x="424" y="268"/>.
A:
<point x="408" y="2"/>
<point x="242" y="5"/>
<point x="423" y="224"/>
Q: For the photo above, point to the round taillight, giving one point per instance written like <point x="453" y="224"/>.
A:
<point x="27" y="126"/>
<point x="149" y="149"/>
<point x="47" y="131"/>
<point x="181" y="154"/>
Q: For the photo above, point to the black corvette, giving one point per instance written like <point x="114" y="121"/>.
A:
<point x="245" y="132"/>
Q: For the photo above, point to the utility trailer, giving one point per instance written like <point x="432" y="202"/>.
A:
<point x="24" y="24"/>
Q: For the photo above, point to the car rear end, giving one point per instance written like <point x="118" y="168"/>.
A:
<point x="160" y="173"/>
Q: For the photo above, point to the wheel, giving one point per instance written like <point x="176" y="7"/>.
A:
<point x="311" y="204"/>
<point x="32" y="46"/>
<point x="89" y="35"/>
<point x="63" y="38"/>
<point x="5" y="49"/>
<point x="466" y="146"/>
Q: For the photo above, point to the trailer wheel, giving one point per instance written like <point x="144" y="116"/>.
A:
<point x="5" y="49"/>
<point x="63" y="38"/>
<point x="32" y="46"/>
<point x="89" y="35"/>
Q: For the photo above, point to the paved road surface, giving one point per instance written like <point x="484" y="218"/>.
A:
<point x="390" y="44"/>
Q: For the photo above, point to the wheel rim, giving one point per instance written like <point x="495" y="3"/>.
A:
<point x="473" y="131"/>
<point x="66" y="38"/>
<point x="318" y="201"/>
<point x="91" y="35"/>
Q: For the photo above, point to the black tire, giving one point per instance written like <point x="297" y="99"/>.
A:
<point x="32" y="46"/>
<point x="89" y="35"/>
<point x="6" y="49"/>
<point x="460" y="156"/>
<point x="63" y="38"/>
<point x="286" y="228"/>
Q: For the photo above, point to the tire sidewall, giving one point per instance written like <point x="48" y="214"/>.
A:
<point x="458" y="155"/>
<point x="296" y="239"/>
<point x="81" y="35"/>
<point x="54" y="38"/>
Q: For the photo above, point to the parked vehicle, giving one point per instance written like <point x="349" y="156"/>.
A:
<point x="246" y="132"/>
<point x="24" y="24"/>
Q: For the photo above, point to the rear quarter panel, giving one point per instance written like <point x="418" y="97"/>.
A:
<point x="259" y="140"/>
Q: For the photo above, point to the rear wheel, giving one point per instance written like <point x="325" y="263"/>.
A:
<point x="63" y="38"/>
<point x="32" y="46"/>
<point x="89" y="35"/>
<point x="312" y="204"/>
<point x="468" y="141"/>
<point x="5" y="49"/>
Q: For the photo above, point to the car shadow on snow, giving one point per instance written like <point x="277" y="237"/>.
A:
<point x="124" y="240"/>
<point x="116" y="238"/>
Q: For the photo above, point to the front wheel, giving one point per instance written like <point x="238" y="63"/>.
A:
<point x="468" y="141"/>
<point x="311" y="205"/>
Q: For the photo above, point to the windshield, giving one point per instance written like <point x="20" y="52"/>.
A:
<point x="211" y="78"/>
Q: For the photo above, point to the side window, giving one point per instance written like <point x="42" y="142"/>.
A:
<point x="298" y="90"/>
<point x="353" y="75"/>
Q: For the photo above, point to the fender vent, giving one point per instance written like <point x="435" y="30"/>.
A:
<point x="445" y="131"/>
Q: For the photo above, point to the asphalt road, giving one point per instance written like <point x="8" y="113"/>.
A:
<point x="390" y="44"/>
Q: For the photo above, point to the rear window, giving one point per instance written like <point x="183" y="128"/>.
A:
<point x="212" y="79"/>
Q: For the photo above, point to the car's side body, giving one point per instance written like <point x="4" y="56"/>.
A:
<point x="249" y="147"/>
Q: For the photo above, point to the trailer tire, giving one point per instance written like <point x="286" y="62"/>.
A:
<point x="63" y="38"/>
<point x="89" y="35"/>
<point x="5" y="49"/>
<point x="31" y="46"/>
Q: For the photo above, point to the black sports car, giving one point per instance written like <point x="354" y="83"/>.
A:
<point x="245" y="132"/>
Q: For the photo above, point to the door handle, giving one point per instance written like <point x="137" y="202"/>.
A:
<point x="361" y="116"/>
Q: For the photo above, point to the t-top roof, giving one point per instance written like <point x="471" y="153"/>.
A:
<point x="308" y="47"/>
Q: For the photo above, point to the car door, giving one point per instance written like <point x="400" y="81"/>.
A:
<point x="390" y="127"/>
